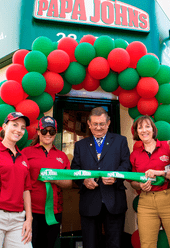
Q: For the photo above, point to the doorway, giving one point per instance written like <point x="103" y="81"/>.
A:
<point x="71" y="114"/>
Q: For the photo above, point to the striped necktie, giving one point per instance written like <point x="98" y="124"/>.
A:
<point x="99" y="141"/>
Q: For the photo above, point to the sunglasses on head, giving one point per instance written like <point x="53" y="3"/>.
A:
<point x="45" y="131"/>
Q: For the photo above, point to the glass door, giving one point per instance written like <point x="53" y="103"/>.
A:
<point x="71" y="114"/>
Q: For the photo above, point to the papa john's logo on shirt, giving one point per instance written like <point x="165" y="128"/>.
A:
<point x="60" y="160"/>
<point x="164" y="158"/>
<point x="24" y="163"/>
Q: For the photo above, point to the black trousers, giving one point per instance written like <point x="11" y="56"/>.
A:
<point x="92" y="229"/>
<point x="44" y="236"/>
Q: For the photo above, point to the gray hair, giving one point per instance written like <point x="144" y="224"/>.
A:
<point x="98" y="112"/>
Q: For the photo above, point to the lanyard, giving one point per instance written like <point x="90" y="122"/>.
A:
<point x="99" y="148"/>
<point x="67" y="174"/>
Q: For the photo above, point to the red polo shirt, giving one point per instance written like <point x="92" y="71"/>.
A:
<point x="160" y="158"/>
<point x="39" y="158"/>
<point x="14" y="179"/>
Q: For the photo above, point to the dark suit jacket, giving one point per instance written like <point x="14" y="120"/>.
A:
<point x="114" y="157"/>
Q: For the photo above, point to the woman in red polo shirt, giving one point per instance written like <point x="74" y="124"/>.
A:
<point x="15" y="185"/>
<point x="154" y="201"/>
<point x="43" y="154"/>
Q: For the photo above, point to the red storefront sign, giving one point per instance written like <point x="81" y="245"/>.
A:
<point x="106" y="13"/>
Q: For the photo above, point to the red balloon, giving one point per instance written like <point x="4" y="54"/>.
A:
<point x="137" y="144"/>
<point x="19" y="55"/>
<point x="12" y="92"/>
<point x="54" y="82"/>
<point x="136" y="50"/>
<point x="88" y="39"/>
<point x="78" y="86"/>
<point x="58" y="61"/>
<point x="98" y="68"/>
<point x="16" y="72"/>
<point x="0" y="128"/>
<point x="53" y="96"/>
<point x="147" y="106"/>
<point x="147" y="87"/>
<point x="32" y="130"/>
<point x="25" y="95"/>
<point x="129" y="98"/>
<point x="89" y="83"/>
<point x="135" y="240"/>
<point x="28" y="108"/>
<point x="118" y="59"/>
<point x="117" y="91"/>
<point x="68" y="44"/>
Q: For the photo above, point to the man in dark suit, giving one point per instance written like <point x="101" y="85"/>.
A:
<point x="102" y="200"/>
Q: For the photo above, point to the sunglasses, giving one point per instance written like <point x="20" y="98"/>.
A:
<point x="45" y="131"/>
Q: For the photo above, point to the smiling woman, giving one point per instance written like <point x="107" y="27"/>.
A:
<point x="43" y="154"/>
<point x="154" y="202"/>
<point x="15" y="200"/>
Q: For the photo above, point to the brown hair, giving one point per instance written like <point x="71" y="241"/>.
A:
<point x="98" y="112"/>
<point x="139" y="121"/>
<point x="2" y="134"/>
<point x="35" y="140"/>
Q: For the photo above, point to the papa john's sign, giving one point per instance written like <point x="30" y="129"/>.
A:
<point x="106" y="13"/>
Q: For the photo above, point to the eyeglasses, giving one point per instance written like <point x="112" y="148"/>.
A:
<point x="45" y="131"/>
<point x="102" y="124"/>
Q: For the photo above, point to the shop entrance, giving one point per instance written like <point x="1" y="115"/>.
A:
<point x="71" y="114"/>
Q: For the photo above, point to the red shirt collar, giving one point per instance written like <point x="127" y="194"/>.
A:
<point x="3" y="148"/>
<point x="158" y="145"/>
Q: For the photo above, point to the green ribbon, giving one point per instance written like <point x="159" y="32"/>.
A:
<point x="47" y="174"/>
<point x="49" y="211"/>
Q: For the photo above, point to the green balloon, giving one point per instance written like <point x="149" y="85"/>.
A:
<point x="135" y="203"/>
<point x="27" y="144"/>
<point x="44" y="101"/>
<point x="34" y="83"/>
<point x="162" y="113"/>
<point x="110" y="82"/>
<point x="75" y="73"/>
<point x="66" y="89"/>
<point x="43" y="44"/>
<point x="162" y="240"/>
<point x="163" y="95"/>
<point x="40" y="116"/>
<point x="35" y="61"/>
<point x="5" y="109"/>
<point x="55" y="45"/>
<point x="133" y="112"/>
<point x="23" y="140"/>
<point x="103" y="45"/>
<point x="120" y="43"/>
<point x="163" y="75"/>
<point x="1" y="101"/>
<point x="163" y="130"/>
<point x="84" y="53"/>
<point x="128" y="79"/>
<point x="148" y="66"/>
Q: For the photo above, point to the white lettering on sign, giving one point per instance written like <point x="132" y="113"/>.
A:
<point x="108" y="13"/>
<point x="48" y="172"/>
<point x="82" y="173"/>
<point x="115" y="174"/>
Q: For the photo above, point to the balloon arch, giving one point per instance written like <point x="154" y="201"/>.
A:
<point x="126" y="70"/>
